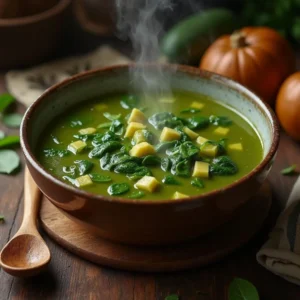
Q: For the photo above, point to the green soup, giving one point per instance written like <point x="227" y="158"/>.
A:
<point x="146" y="148"/>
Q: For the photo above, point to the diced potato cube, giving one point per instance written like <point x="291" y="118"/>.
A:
<point x="178" y="195"/>
<point x="84" y="180"/>
<point x="166" y="100"/>
<point x="221" y="130"/>
<point x="192" y="134"/>
<point x="142" y="149"/>
<point x="201" y="169"/>
<point x="137" y="116"/>
<point x="197" y="105"/>
<point x="201" y="140"/>
<point x="89" y="130"/>
<point x="139" y="137"/>
<point x="209" y="150"/>
<point x="237" y="146"/>
<point x="132" y="128"/>
<point x="100" y="107"/>
<point x="169" y="134"/>
<point x="77" y="147"/>
<point x="147" y="183"/>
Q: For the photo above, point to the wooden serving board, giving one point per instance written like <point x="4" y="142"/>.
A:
<point x="199" y="252"/>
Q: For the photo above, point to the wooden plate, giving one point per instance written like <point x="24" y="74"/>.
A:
<point x="202" y="251"/>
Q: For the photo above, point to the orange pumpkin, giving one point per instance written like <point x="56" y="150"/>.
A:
<point x="257" y="57"/>
<point x="288" y="105"/>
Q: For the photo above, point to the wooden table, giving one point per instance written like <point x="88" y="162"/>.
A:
<point x="70" y="277"/>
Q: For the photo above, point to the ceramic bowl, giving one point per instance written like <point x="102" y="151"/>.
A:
<point x="148" y="222"/>
<point x="31" y="39"/>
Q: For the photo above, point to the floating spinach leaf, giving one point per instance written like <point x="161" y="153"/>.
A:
<point x="83" y="137"/>
<point x="190" y="111"/>
<point x="136" y="195"/>
<point x="109" y="136"/>
<point x="140" y="172"/>
<point x="220" y="121"/>
<point x="12" y="120"/>
<point x="241" y="289"/>
<point x="170" y="180"/>
<point x="129" y="102"/>
<point x="149" y="136"/>
<point x="70" y="179"/>
<point x="128" y="167"/>
<point x="220" y="146"/>
<point x="104" y="125"/>
<point x="165" y="164"/>
<point x="151" y="160"/>
<point x="185" y="150"/>
<point x="2" y="219"/>
<point x="2" y="134"/>
<point x="111" y="117"/>
<point x="99" y="178"/>
<point x="287" y="171"/>
<point x="71" y="170"/>
<point x="183" y="168"/>
<point x="165" y="119"/>
<point x="55" y="152"/>
<point x="223" y="165"/>
<point x="100" y="150"/>
<point x="117" y="127"/>
<point x="197" y="182"/>
<point x="75" y="123"/>
<point x="5" y="101"/>
<point x="109" y="161"/>
<point x="198" y="122"/>
<point x="9" y="141"/>
<point x="172" y="297"/>
<point x="84" y="166"/>
<point x="163" y="146"/>
<point x="118" y="189"/>
<point x="9" y="161"/>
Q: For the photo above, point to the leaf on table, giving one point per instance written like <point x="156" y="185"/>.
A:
<point x="289" y="170"/>
<point x="241" y="289"/>
<point x="172" y="297"/>
<point x="12" y="120"/>
<point x="9" y="161"/>
<point x="9" y="140"/>
<point x="5" y="101"/>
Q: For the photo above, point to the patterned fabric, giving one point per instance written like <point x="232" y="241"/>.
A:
<point x="27" y="85"/>
<point x="281" y="253"/>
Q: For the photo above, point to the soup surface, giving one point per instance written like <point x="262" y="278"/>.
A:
<point x="172" y="147"/>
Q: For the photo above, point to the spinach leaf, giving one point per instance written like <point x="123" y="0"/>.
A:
<point x="220" y="146"/>
<point x="197" y="182"/>
<point x="100" y="150"/>
<point x="220" y="121"/>
<point x="223" y="165"/>
<point x="75" y="123"/>
<point x="128" y="167"/>
<point x="183" y="168"/>
<point x="198" y="122"/>
<point x="70" y="179"/>
<point x="171" y="180"/>
<point x="129" y="101"/>
<point x="83" y="137"/>
<point x="99" y="139"/>
<point x="185" y="150"/>
<point x="287" y="171"/>
<point x="84" y="166"/>
<point x="165" y="164"/>
<point x="99" y="178"/>
<point x="136" y="195"/>
<point x="9" y="161"/>
<point x="149" y="136"/>
<point x="117" y="127"/>
<point x="2" y="134"/>
<point x="242" y="289"/>
<point x="190" y="111"/>
<point x="160" y="120"/>
<point x="163" y="146"/>
<point x="140" y="172"/>
<point x="55" y="152"/>
<point x="109" y="161"/>
<point x="104" y="125"/>
<point x="151" y="160"/>
<point x="70" y="170"/>
<point x="118" y="189"/>
<point x="111" y="117"/>
<point x="5" y="101"/>
<point x="9" y="141"/>
<point x="12" y="120"/>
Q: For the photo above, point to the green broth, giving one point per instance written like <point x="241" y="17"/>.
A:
<point x="59" y="134"/>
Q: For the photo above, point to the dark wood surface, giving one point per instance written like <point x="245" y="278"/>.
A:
<point x="70" y="277"/>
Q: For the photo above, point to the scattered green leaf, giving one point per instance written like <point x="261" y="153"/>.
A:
<point x="129" y="102"/>
<point x="118" y="189"/>
<point x="151" y="160"/>
<point x="99" y="178"/>
<point x="9" y="141"/>
<point x="9" y="161"/>
<point x="241" y="289"/>
<point x="136" y="195"/>
<point x="5" y="101"/>
<point x="198" y="122"/>
<point x="84" y="166"/>
<point x="111" y="117"/>
<point x="12" y="120"/>
<point x="104" y="125"/>
<point x="220" y="121"/>
<point x="100" y="150"/>
<point x="197" y="182"/>
<point x="287" y="171"/>
<point x="223" y="165"/>
<point x="170" y="180"/>
<point x="55" y="152"/>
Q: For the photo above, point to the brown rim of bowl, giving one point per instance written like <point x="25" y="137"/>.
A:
<point x="265" y="108"/>
<point x="54" y="10"/>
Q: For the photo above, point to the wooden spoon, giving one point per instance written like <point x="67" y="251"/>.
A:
<point x="26" y="254"/>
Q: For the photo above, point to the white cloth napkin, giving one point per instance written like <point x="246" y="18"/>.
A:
<point x="27" y="85"/>
<point x="281" y="253"/>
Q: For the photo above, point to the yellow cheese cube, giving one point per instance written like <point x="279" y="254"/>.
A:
<point x="147" y="183"/>
<point x="142" y="149"/>
<point x="201" y="169"/>
<point x="221" y="130"/>
<point x="89" y="130"/>
<point x="197" y="105"/>
<point x="132" y="128"/>
<point x="76" y="147"/>
<point x="100" y="107"/>
<point x="84" y="180"/>
<point x="201" y="140"/>
<point x="192" y="134"/>
<point x="169" y="134"/>
<point x="209" y="150"/>
<point x="178" y="195"/>
<point x="237" y="146"/>
<point x="137" y="116"/>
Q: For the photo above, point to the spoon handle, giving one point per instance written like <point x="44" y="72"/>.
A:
<point x="32" y="197"/>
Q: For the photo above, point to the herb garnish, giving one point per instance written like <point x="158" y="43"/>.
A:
<point x="242" y="289"/>
<point x="289" y="170"/>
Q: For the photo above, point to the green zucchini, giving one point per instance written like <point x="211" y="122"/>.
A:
<point x="187" y="41"/>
